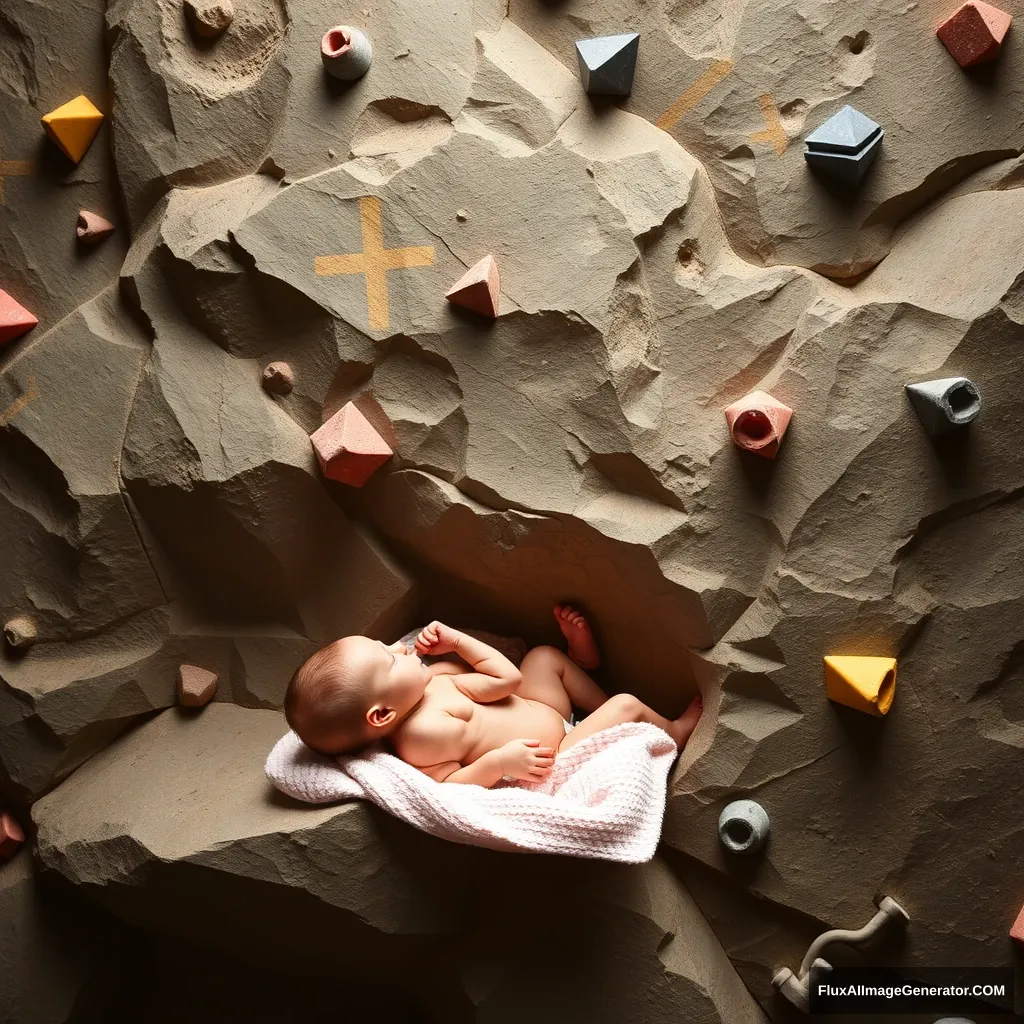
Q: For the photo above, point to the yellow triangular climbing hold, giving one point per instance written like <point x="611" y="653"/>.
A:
<point x="73" y="126"/>
<point x="866" y="684"/>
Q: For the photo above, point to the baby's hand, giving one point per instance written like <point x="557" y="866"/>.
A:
<point x="437" y="638"/>
<point x="526" y="759"/>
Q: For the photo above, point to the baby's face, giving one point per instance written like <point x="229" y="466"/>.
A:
<point x="400" y="676"/>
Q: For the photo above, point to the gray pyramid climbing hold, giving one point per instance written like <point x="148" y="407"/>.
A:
<point x="845" y="145"/>
<point x="607" y="63"/>
<point x="946" y="404"/>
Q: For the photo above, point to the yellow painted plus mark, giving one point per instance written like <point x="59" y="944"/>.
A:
<point x="19" y="403"/>
<point x="12" y="169"/>
<point x="374" y="262"/>
<point x="700" y="88"/>
<point x="774" y="133"/>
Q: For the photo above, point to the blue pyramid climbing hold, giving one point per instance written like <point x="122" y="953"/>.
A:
<point x="608" y="63"/>
<point x="845" y="145"/>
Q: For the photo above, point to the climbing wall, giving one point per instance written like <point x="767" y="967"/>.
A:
<point x="441" y="315"/>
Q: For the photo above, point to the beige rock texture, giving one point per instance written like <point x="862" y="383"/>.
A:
<point x="661" y="257"/>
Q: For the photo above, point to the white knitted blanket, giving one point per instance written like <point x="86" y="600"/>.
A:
<point x="604" y="798"/>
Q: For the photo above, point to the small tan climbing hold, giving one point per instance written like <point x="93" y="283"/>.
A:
<point x="863" y="683"/>
<point x="12" y="837"/>
<point x="210" y="18"/>
<point x="73" y="126"/>
<point x="20" y="632"/>
<point x="92" y="228"/>
<point x="348" y="448"/>
<point x="757" y="423"/>
<point x="196" y="686"/>
<point x="278" y="379"/>
<point x="478" y="289"/>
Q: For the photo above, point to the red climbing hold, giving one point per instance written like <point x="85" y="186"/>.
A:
<point x="348" y="448"/>
<point x="15" y="319"/>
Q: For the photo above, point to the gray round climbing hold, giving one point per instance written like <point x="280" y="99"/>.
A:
<point x="946" y="404"/>
<point x="743" y="826"/>
<point x="346" y="52"/>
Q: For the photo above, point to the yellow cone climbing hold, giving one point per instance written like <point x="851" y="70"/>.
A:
<point x="866" y="684"/>
<point x="73" y="126"/>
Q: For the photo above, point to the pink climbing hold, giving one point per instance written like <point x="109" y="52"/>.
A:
<point x="757" y="423"/>
<point x="478" y="289"/>
<point x="348" y="448"/>
<point x="11" y="836"/>
<point x="196" y="686"/>
<point x="1017" y="931"/>
<point x="974" y="32"/>
<point x="15" y="319"/>
<point x="92" y="227"/>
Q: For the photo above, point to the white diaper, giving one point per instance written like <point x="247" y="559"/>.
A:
<point x="568" y="726"/>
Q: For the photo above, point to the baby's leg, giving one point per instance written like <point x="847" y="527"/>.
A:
<point x="624" y="707"/>
<point x="551" y="677"/>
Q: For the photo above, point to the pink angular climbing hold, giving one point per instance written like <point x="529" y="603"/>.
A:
<point x="758" y="422"/>
<point x="974" y="32"/>
<point x="478" y="289"/>
<point x="348" y="448"/>
<point x="92" y="227"/>
<point x="15" y="319"/>
<point x="11" y="836"/>
<point x="1017" y="931"/>
<point x="196" y="686"/>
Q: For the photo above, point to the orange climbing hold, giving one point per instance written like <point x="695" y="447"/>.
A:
<point x="15" y="319"/>
<point x="758" y="422"/>
<point x="974" y="32"/>
<point x="348" y="448"/>
<point x="478" y="289"/>
<point x="11" y="836"/>
<point x="863" y="683"/>
<point x="73" y="126"/>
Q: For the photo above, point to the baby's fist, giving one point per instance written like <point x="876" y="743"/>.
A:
<point x="526" y="759"/>
<point x="437" y="638"/>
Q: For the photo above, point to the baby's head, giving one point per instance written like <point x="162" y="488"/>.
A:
<point x="352" y="692"/>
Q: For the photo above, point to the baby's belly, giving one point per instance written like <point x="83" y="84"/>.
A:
<point x="513" y="718"/>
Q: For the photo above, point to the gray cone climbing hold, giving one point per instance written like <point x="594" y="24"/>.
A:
<point x="845" y="145"/>
<point x="346" y="52"/>
<point x="607" y="63"/>
<point x="946" y="404"/>
<point x="743" y="826"/>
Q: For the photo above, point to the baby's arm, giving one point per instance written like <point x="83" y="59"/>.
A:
<point x="493" y="676"/>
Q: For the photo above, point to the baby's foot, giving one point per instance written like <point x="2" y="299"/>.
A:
<point x="687" y="721"/>
<point x="582" y="645"/>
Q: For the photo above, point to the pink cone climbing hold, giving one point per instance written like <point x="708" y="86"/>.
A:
<point x="1017" y="930"/>
<point x="348" y="448"/>
<point x="478" y="289"/>
<point x="757" y="423"/>
<point x="196" y="686"/>
<point x="974" y="32"/>
<point x="92" y="227"/>
<point x="11" y="836"/>
<point x="15" y="319"/>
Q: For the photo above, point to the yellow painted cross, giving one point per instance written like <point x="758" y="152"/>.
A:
<point x="374" y="261"/>
<point x="13" y="168"/>
<point x="774" y="133"/>
<point x="700" y="88"/>
<point x="19" y="403"/>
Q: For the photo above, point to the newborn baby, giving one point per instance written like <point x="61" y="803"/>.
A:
<point x="471" y="721"/>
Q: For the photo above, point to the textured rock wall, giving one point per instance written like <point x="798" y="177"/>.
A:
<point x="660" y="258"/>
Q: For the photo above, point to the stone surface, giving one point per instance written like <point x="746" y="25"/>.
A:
<point x="479" y="289"/>
<point x="358" y="891"/>
<point x="196" y="686"/>
<point x="92" y="228"/>
<point x="974" y="32"/>
<point x="662" y="257"/>
<point x="73" y="126"/>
